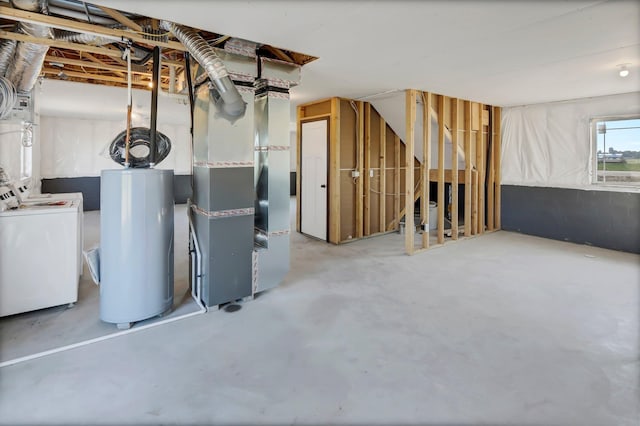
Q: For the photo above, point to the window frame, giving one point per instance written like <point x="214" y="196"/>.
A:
<point x="593" y="157"/>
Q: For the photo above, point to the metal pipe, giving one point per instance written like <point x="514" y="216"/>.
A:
<point x="28" y="59"/>
<point x="232" y="106"/>
<point x="7" y="49"/>
<point x="154" y="106"/>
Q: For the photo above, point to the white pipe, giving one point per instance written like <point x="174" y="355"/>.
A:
<point x="99" y="339"/>
<point x="198" y="269"/>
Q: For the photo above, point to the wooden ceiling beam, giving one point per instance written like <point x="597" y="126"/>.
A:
<point x="93" y="63"/>
<point x="83" y="27"/>
<point x="279" y="53"/>
<point x="88" y="76"/>
<point x="119" y="69"/>
<point x="60" y="44"/>
<point x="120" y="18"/>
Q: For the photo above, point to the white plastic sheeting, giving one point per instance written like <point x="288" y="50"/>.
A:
<point x="549" y="144"/>
<point x="73" y="147"/>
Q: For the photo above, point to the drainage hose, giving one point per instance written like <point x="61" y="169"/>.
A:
<point x="140" y="136"/>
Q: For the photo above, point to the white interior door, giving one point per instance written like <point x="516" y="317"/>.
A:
<point x="313" y="215"/>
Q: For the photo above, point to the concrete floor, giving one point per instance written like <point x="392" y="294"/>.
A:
<point x="45" y="329"/>
<point x="502" y="329"/>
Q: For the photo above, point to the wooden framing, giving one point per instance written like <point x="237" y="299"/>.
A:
<point x="467" y="170"/>
<point x="497" y="129"/>
<point x="375" y="179"/>
<point x="454" y="169"/>
<point x="426" y="165"/>
<point x="334" y="172"/>
<point x="441" y="147"/>
<point x="409" y="198"/>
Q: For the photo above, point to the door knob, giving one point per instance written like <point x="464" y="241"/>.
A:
<point x="323" y="186"/>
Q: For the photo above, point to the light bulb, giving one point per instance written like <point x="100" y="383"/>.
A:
<point x="151" y="84"/>
<point x="624" y="71"/>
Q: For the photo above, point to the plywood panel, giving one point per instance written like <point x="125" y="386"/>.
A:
<point x="374" y="203"/>
<point x="374" y="144"/>
<point x="347" y="206"/>
<point x="389" y="197"/>
<point x="317" y="109"/>
<point x="475" y="116"/>
<point x="348" y="128"/>
<point x="390" y="148"/>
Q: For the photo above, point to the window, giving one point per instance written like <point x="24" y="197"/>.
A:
<point x="616" y="150"/>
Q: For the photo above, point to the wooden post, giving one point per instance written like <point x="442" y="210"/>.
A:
<point x="467" y="169"/>
<point x="334" y="172"/>
<point x="426" y="162"/>
<point x="497" y="141"/>
<point x="454" y="168"/>
<point x="474" y="202"/>
<point x="482" y="164"/>
<point x="360" y="181"/>
<point x="410" y="113"/>
<point x="383" y="175"/>
<point x="491" y="170"/>
<point x="441" y="169"/>
<point x="366" y="176"/>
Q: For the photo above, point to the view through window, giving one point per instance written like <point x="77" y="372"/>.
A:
<point x="617" y="150"/>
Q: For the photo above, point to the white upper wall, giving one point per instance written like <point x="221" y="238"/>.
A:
<point x="78" y="122"/>
<point x="549" y="144"/>
<point x="502" y="53"/>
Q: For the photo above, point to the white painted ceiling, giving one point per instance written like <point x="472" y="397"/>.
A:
<point x="497" y="52"/>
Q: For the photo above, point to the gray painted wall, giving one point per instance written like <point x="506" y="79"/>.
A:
<point x="90" y="188"/>
<point x="605" y="219"/>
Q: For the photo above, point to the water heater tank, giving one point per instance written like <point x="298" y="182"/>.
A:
<point x="136" y="244"/>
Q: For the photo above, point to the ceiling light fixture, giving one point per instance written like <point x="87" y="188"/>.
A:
<point x="623" y="71"/>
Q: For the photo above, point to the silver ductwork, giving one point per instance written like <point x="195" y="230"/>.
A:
<point x="227" y="98"/>
<point x="7" y="49"/>
<point x="271" y="172"/>
<point x="82" y="38"/>
<point x="28" y="58"/>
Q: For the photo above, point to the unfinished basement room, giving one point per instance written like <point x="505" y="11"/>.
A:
<point x="320" y="212"/>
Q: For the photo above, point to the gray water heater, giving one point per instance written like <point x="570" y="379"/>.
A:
<point x="136" y="244"/>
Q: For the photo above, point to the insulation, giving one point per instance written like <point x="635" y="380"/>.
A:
<point x="7" y="49"/>
<point x="549" y="144"/>
<point x="27" y="61"/>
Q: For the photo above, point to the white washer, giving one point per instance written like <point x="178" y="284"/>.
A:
<point x="40" y="254"/>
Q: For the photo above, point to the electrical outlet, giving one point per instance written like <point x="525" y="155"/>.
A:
<point x="355" y="174"/>
<point x="370" y="172"/>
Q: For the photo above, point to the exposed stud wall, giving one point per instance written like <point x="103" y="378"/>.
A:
<point x="385" y="189"/>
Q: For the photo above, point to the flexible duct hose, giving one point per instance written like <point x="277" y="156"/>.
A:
<point x="8" y="97"/>
<point x="140" y="136"/>
<point x="7" y="49"/>
<point x="28" y="59"/>
<point x="233" y="107"/>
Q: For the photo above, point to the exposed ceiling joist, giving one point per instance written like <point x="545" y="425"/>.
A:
<point x="96" y="63"/>
<point x="98" y="77"/>
<point x="60" y="44"/>
<point x="121" y="18"/>
<point x="82" y="27"/>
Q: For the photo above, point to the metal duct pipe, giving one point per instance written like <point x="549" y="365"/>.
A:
<point x="83" y="38"/>
<point x="28" y="59"/>
<point x="7" y="49"/>
<point x="233" y="107"/>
